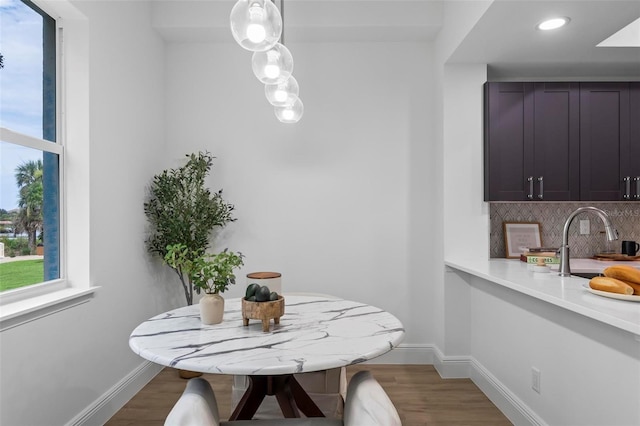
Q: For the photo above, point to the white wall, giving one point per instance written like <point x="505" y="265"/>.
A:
<point x="329" y="202"/>
<point x="464" y="224"/>
<point x="466" y="219"/>
<point x="55" y="367"/>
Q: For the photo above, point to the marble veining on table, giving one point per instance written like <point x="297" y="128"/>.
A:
<point x="314" y="334"/>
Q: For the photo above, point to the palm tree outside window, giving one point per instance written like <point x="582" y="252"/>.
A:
<point x="29" y="218"/>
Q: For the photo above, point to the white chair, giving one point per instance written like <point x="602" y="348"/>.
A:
<point x="197" y="406"/>
<point x="367" y="404"/>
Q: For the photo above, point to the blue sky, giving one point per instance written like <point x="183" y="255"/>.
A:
<point x="20" y="90"/>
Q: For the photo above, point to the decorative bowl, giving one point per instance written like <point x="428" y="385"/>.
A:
<point x="263" y="311"/>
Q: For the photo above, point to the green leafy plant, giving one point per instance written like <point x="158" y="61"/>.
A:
<point x="181" y="210"/>
<point x="212" y="273"/>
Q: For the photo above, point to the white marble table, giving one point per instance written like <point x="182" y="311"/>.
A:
<point x="316" y="333"/>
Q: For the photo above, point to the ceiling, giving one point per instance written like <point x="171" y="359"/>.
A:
<point x="504" y="37"/>
<point x="307" y="20"/>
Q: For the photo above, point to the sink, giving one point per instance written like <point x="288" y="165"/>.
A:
<point x="587" y="275"/>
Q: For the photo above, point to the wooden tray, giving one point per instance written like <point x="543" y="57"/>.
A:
<point x="615" y="257"/>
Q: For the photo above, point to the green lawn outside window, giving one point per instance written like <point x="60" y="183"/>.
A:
<point x="21" y="273"/>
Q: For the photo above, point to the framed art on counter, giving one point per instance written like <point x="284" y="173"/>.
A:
<point x="519" y="237"/>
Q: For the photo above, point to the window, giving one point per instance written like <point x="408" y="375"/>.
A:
<point x="62" y="114"/>
<point x="31" y="157"/>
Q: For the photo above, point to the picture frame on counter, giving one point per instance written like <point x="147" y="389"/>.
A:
<point x="519" y="236"/>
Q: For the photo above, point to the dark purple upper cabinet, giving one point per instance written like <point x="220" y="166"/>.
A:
<point x="508" y="141"/>
<point x="556" y="137"/>
<point x="605" y="145"/>
<point x="632" y="188"/>
<point x="532" y="142"/>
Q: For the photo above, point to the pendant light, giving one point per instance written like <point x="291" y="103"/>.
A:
<point x="290" y="113"/>
<point x="288" y="107"/>
<point x="256" y="24"/>
<point x="274" y="65"/>
<point x="282" y="94"/>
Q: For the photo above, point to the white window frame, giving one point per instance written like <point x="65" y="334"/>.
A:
<point x="31" y="303"/>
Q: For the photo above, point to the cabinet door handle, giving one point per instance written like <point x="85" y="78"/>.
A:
<point x="627" y="190"/>
<point x="541" y="194"/>
<point x="637" y="180"/>
<point x="530" y="180"/>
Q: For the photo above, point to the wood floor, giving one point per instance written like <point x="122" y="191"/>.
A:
<point x="419" y="394"/>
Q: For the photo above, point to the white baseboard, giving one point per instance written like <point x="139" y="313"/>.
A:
<point x="511" y="406"/>
<point x="462" y="367"/>
<point x="103" y="408"/>
<point x="451" y="367"/>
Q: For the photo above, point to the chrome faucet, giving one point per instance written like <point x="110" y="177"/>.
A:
<point x="565" y="269"/>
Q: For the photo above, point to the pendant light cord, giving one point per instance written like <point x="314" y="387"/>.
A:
<point x="282" y="15"/>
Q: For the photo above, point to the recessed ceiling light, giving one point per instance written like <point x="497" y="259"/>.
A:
<point x="553" y="23"/>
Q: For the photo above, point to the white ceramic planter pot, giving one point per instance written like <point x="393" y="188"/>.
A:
<point x="211" y="309"/>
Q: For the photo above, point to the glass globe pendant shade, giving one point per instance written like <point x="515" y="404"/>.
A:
<point x="256" y="24"/>
<point x="281" y="94"/>
<point x="273" y="66"/>
<point x="290" y="113"/>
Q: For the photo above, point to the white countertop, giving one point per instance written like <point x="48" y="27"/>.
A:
<point x="565" y="292"/>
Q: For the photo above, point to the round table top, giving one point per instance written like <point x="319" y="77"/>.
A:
<point x="315" y="333"/>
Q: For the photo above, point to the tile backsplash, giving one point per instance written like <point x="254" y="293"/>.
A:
<point x="552" y="216"/>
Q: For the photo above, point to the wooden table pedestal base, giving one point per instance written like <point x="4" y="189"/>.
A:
<point x="291" y="397"/>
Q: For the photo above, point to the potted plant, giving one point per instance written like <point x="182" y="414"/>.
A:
<point x="212" y="273"/>
<point x="181" y="210"/>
